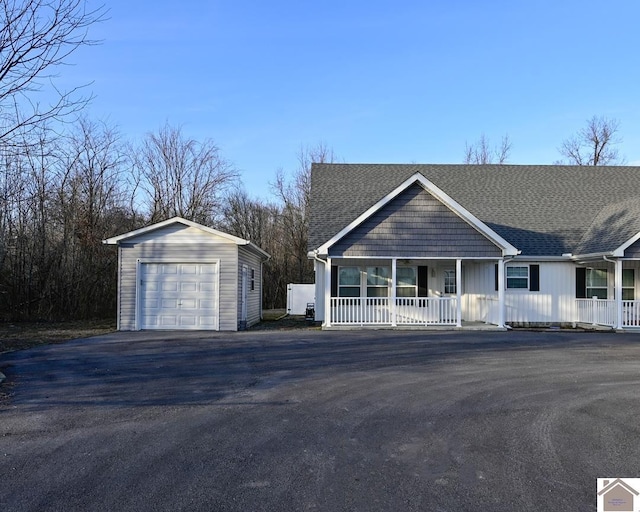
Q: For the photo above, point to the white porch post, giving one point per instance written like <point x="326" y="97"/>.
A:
<point x="327" y="293"/>
<point x="501" y="294"/>
<point x="458" y="292"/>
<point x="618" y="293"/>
<point x="394" y="265"/>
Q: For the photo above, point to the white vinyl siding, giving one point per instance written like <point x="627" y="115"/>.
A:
<point x="555" y="304"/>
<point x="254" y="284"/>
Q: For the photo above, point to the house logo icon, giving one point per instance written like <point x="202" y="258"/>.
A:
<point x="619" y="495"/>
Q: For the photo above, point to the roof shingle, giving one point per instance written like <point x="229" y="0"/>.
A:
<point x="542" y="210"/>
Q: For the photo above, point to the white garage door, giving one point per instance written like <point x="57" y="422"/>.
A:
<point x="179" y="296"/>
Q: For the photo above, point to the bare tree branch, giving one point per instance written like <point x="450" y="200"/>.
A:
<point x="481" y="152"/>
<point x="36" y="37"/>
<point x="593" y="144"/>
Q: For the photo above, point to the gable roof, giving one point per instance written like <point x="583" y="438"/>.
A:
<point x="419" y="179"/>
<point x="188" y="223"/>
<point x="541" y="210"/>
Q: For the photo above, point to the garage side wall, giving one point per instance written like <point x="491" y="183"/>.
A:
<point x="254" y="302"/>
<point x="226" y="253"/>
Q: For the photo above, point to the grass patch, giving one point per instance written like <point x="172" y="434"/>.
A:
<point x="271" y="315"/>
<point x="23" y="335"/>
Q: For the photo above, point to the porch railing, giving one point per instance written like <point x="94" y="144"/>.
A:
<point x="596" y="311"/>
<point x="631" y="313"/>
<point x="408" y="311"/>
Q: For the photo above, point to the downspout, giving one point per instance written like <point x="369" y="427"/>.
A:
<point x="502" y="291"/>
<point x="617" y="287"/>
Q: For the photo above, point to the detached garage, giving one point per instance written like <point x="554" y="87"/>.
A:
<point x="178" y="274"/>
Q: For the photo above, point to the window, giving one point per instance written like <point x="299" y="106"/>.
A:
<point x="406" y="282"/>
<point x="596" y="283"/>
<point x="253" y="279"/>
<point x="450" y="281"/>
<point x="349" y="282"/>
<point x="628" y="284"/>
<point x="378" y="281"/>
<point x="518" y="277"/>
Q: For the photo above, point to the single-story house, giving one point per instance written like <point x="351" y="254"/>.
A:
<point x="422" y="245"/>
<point x="178" y="274"/>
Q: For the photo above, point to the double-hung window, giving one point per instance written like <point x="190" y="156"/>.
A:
<point x="518" y="277"/>
<point x="349" y="282"/>
<point x="378" y="281"/>
<point x="596" y="283"/>
<point x="628" y="284"/>
<point x="406" y="282"/>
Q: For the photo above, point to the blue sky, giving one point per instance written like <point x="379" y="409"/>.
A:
<point x="376" y="81"/>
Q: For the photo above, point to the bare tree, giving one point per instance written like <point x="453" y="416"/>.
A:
<point x="294" y="193"/>
<point x="593" y="144"/>
<point x="481" y="152"/>
<point x="181" y="176"/>
<point x="36" y="38"/>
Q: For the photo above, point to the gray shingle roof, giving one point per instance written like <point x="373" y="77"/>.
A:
<point x="541" y="210"/>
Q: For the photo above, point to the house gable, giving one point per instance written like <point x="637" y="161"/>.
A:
<point x="631" y="249"/>
<point x="177" y="233"/>
<point x="414" y="223"/>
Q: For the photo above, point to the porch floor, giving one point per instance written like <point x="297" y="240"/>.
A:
<point x="466" y="326"/>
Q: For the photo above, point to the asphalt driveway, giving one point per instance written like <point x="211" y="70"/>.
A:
<point x="320" y="421"/>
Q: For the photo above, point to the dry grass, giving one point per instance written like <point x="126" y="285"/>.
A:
<point x="20" y="336"/>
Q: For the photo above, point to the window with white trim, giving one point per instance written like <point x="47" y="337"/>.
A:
<point x="628" y="284"/>
<point x="518" y="277"/>
<point x="596" y="283"/>
<point x="349" y="282"/>
<point x="450" y="281"/>
<point x="378" y="281"/>
<point x="406" y="282"/>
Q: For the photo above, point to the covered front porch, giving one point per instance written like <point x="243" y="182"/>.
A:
<point x="400" y="292"/>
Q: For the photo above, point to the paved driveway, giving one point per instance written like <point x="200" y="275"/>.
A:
<point x="320" y="421"/>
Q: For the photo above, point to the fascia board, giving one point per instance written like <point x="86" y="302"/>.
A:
<point x="175" y="220"/>
<point x="507" y="248"/>
<point x="619" y="251"/>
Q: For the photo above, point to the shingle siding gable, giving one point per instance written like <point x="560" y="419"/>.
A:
<point x="415" y="224"/>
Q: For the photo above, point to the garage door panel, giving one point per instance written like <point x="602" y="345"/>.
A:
<point x="168" y="320"/>
<point x="179" y="296"/>
<point x="189" y="286"/>
<point x="207" y="322"/>
<point x="207" y="287"/>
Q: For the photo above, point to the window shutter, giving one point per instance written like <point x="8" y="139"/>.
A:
<point x="423" y="281"/>
<point x="534" y="278"/>
<point x="581" y="283"/>
<point x="496" y="277"/>
<point x="334" y="280"/>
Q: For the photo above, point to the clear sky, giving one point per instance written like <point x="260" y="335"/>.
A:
<point x="377" y="81"/>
